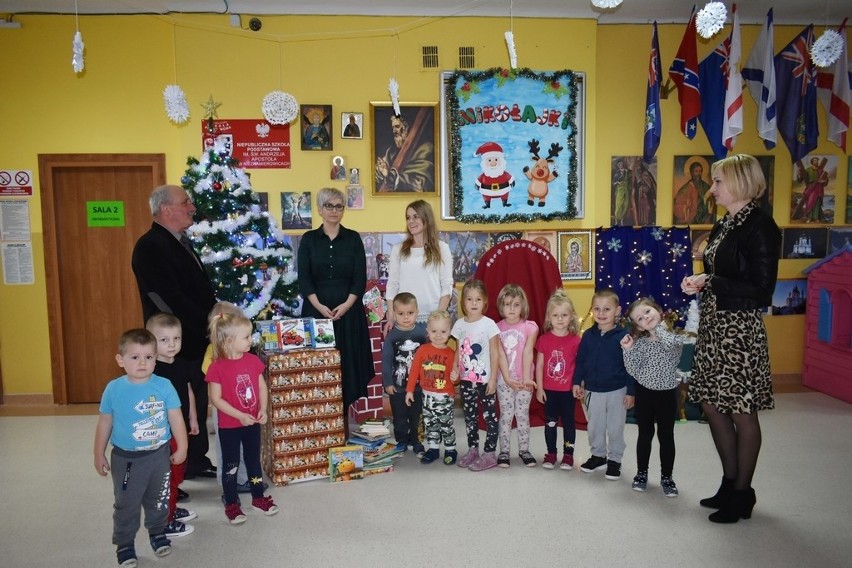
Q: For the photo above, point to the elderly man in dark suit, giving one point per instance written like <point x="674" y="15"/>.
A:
<point x="171" y="279"/>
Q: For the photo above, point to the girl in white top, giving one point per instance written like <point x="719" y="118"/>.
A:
<point x="421" y="264"/>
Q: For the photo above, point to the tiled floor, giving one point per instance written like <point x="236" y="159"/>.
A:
<point x="57" y="510"/>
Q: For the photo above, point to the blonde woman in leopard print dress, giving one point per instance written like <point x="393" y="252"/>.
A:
<point x="731" y="377"/>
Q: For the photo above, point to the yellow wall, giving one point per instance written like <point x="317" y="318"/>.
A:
<point x="116" y="106"/>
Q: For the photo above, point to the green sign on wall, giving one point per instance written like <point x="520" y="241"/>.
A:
<point x="105" y="213"/>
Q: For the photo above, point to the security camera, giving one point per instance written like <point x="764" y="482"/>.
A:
<point x="255" y="24"/>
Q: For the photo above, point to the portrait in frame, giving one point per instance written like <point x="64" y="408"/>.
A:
<point x="352" y="125"/>
<point x="575" y="254"/>
<point x="404" y="148"/>
<point x="692" y="203"/>
<point x="316" y="127"/>
<point x="634" y="192"/>
<point x="812" y="194"/>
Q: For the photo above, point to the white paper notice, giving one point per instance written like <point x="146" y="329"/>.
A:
<point x="14" y="220"/>
<point x="17" y="263"/>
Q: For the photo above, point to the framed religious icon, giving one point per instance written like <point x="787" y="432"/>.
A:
<point x="812" y="194"/>
<point x="352" y="125"/>
<point x="692" y="203"/>
<point x="575" y="254"/>
<point x="404" y="150"/>
<point x="316" y="127"/>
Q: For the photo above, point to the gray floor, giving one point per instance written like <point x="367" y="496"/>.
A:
<point x="57" y="510"/>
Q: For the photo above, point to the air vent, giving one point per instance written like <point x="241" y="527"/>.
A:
<point x="467" y="58"/>
<point x="430" y="56"/>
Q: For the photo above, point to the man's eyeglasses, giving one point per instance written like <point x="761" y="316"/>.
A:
<point x="333" y="207"/>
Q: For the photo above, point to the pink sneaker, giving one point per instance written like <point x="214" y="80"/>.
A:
<point x="549" y="461"/>
<point x="471" y="456"/>
<point x="265" y="504"/>
<point x="567" y="462"/>
<point x="485" y="461"/>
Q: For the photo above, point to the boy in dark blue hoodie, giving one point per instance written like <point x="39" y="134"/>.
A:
<point x="600" y="377"/>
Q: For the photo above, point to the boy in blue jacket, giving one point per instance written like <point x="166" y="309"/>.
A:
<point x="600" y="376"/>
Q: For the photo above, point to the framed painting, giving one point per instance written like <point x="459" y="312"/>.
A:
<point x="544" y="239"/>
<point x="512" y="145"/>
<point x="789" y="297"/>
<point x="692" y="203"/>
<point x="316" y="127"/>
<point x="812" y="195"/>
<point x="633" y="192"/>
<point x="296" y="210"/>
<point x="352" y="124"/>
<point x="404" y="148"/>
<point x="575" y="254"/>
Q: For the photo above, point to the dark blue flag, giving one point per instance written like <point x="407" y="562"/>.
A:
<point x="712" y="72"/>
<point x="653" y="118"/>
<point x="795" y="77"/>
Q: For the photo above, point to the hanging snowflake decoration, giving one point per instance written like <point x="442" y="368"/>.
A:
<point x="644" y="258"/>
<point x="614" y="244"/>
<point x="827" y="48"/>
<point x="280" y="108"/>
<point x="77" y="46"/>
<point x="393" y="89"/>
<point x="177" y="109"/>
<point x="510" y="43"/>
<point x="710" y="19"/>
<point x="606" y="4"/>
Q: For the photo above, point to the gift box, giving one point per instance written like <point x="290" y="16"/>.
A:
<point x="322" y="333"/>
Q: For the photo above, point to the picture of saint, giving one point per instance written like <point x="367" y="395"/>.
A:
<point x="352" y="122"/>
<point x="316" y="127"/>
<point x="634" y="191"/>
<point x="812" y="196"/>
<point x="338" y="168"/>
<point x="693" y="204"/>
<point x="404" y="150"/>
<point x="574" y="259"/>
<point x="575" y="255"/>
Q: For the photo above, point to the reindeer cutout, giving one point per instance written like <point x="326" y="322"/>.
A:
<point x="540" y="174"/>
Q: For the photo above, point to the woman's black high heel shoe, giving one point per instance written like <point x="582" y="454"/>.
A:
<point x="721" y="497"/>
<point x="739" y="506"/>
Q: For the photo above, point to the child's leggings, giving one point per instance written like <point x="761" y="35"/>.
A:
<point x="514" y="404"/>
<point x="472" y="395"/>
<point x="438" y="420"/>
<point x="660" y="408"/>
<point x="559" y="405"/>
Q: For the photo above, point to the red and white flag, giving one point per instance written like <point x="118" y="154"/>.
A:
<point x="833" y="92"/>
<point x="732" y="124"/>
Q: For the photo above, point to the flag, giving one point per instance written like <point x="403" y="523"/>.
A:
<point x="732" y="124"/>
<point x="653" y="118"/>
<point x="834" y="94"/>
<point x="712" y="72"/>
<point x="684" y="73"/>
<point x="796" y="96"/>
<point x="759" y="75"/>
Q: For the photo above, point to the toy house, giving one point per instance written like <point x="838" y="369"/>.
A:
<point x="828" y="325"/>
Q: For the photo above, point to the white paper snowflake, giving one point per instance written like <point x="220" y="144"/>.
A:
<point x="606" y="4"/>
<point x="177" y="109"/>
<point x="614" y="244"/>
<point x="280" y="108"/>
<point x="678" y="250"/>
<point x="393" y="89"/>
<point x="827" y="48"/>
<point x="657" y="233"/>
<point x="77" y="47"/>
<point x="644" y="258"/>
<point x="513" y="55"/>
<point x="710" y="19"/>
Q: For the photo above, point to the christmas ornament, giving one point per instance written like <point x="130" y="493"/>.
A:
<point x="710" y="19"/>
<point x="177" y="108"/>
<point x="510" y="43"/>
<point x="210" y="108"/>
<point x="393" y="89"/>
<point x="217" y="186"/>
<point x="827" y="48"/>
<point x="606" y="4"/>
<point x="280" y="108"/>
<point x="77" y="47"/>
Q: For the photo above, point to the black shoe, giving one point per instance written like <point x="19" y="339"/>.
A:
<point x="738" y="506"/>
<point x="183" y="496"/>
<point x="721" y="497"/>
<point x="613" y="470"/>
<point x="430" y="455"/>
<point x="594" y="463"/>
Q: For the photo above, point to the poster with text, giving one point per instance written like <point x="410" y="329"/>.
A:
<point x="255" y="143"/>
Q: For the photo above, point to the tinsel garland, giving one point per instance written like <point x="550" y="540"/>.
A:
<point x="500" y="75"/>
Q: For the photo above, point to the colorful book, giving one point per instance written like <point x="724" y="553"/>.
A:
<point x="346" y="463"/>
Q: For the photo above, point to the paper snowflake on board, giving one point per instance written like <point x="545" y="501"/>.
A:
<point x="513" y="55"/>
<point x="77" y="46"/>
<point x="393" y="89"/>
<point x="710" y="19"/>
<point x="606" y="4"/>
<point x="177" y="109"/>
<point x="280" y="108"/>
<point x="827" y="48"/>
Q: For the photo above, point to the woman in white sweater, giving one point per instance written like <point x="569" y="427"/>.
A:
<point x="421" y="264"/>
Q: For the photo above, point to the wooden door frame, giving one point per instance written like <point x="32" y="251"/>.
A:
<point x="46" y="164"/>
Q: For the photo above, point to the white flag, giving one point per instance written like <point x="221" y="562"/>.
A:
<point x="833" y="92"/>
<point x="759" y="74"/>
<point x="732" y="124"/>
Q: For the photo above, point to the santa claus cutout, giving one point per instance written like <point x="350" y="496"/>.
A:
<point x="494" y="181"/>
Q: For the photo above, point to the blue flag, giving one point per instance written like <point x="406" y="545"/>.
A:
<point x="653" y="118"/>
<point x="712" y="72"/>
<point x="795" y="76"/>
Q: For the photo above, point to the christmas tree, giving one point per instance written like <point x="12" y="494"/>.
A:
<point x="248" y="259"/>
